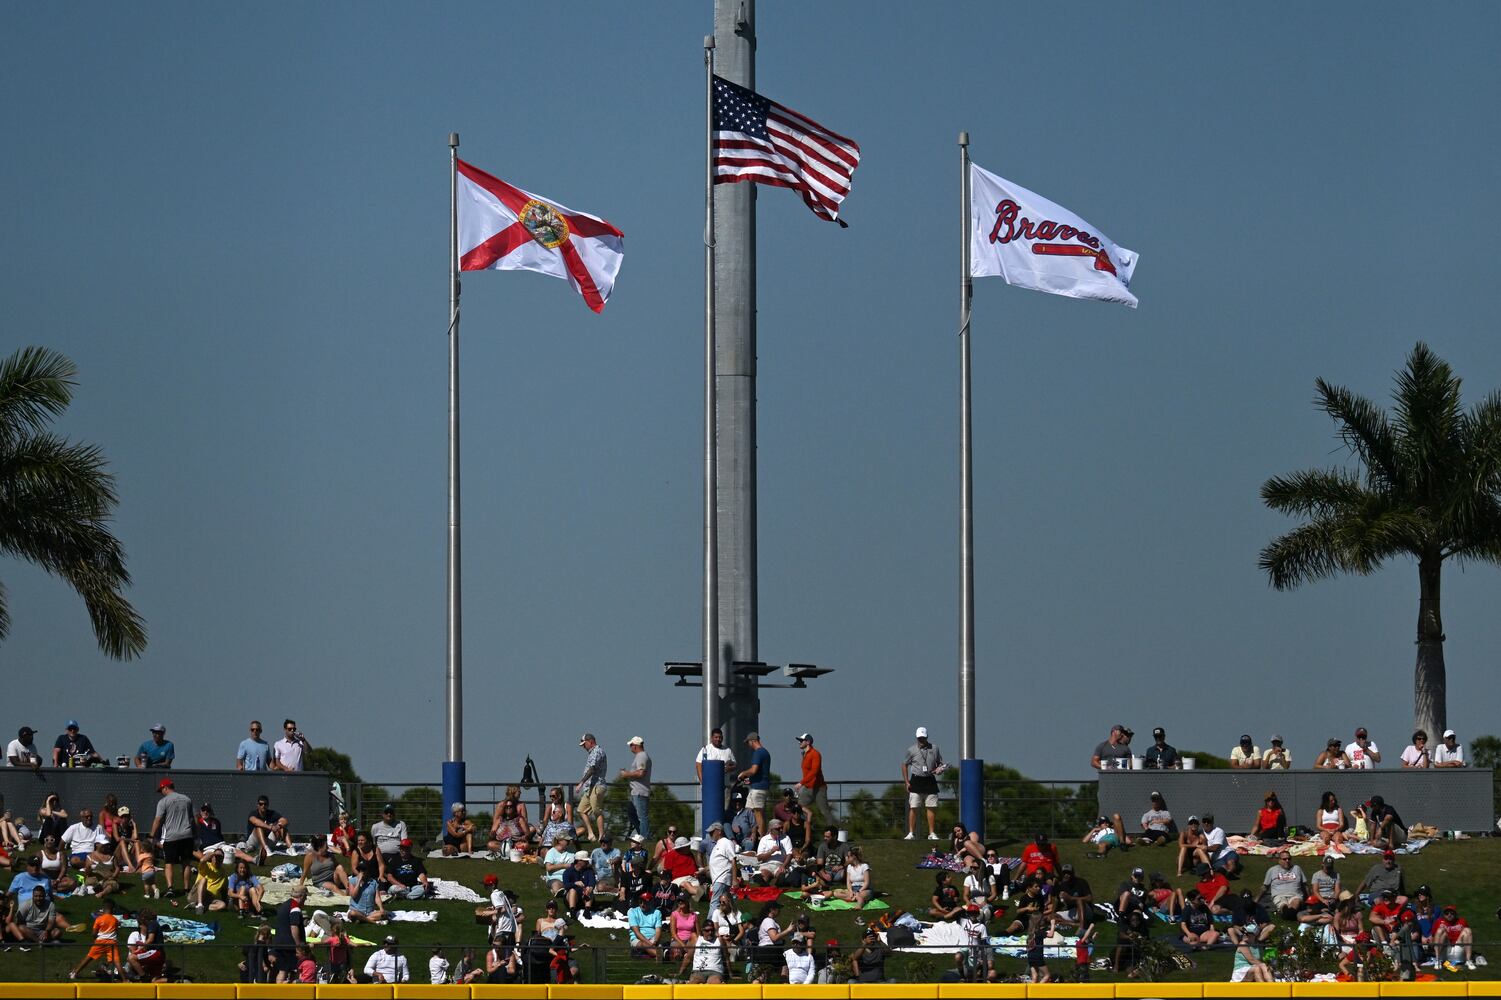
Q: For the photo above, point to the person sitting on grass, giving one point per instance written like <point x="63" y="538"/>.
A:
<point x="1165" y="899"/>
<point x="509" y="826"/>
<point x="322" y="870"/>
<point x="35" y="919"/>
<point x="1286" y="884"/>
<point x="644" y="922"/>
<point x="1271" y="820"/>
<point x="1248" y="965"/>
<point x="1193" y="846"/>
<point x="1041" y="855"/>
<point x="366" y="899"/>
<point x="144" y="954"/>
<point x="1105" y="835"/>
<point x="342" y="837"/>
<point x="1386" y="826"/>
<point x="1247" y="910"/>
<point x="1198" y="930"/>
<point x="945" y="903"/>
<point x="1331" y="823"/>
<point x="1157" y="826"/>
<point x="858" y="888"/>
<point x="1385" y="912"/>
<point x="1214" y="887"/>
<point x="408" y="875"/>
<point x="1452" y="931"/>
<point x="245" y="891"/>
<point x="210" y="890"/>
<point x="266" y="830"/>
<point x="557" y="860"/>
<point x="106" y="947"/>
<point x="965" y="844"/>
<point x="1353" y="959"/>
<point x="683" y="929"/>
<point x="579" y="880"/>
<point x="458" y="832"/>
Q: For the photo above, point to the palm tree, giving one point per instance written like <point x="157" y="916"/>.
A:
<point x="56" y="499"/>
<point x="1428" y="489"/>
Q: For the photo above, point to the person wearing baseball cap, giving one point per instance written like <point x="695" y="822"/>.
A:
<point x="591" y="787"/>
<point x="1449" y="753"/>
<point x="1362" y="751"/>
<point x="639" y="775"/>
<point x="408" y="874"/>
<point x="645" y="928"/>
<point x="1245" y="754"/>
<point x="1113" y="749"/>
<point x="158" y="751"/>
<point x="22" y="752"/>
<point x="387" y="965"/>
<point x="1277" y="757"/>
<point x="921" y="766"/>
<point x="758" y="775"/>
<point x="1162" y="754"/>
<point x="173" y="829"/>
<point x="812" y="789"/>
<point x="74" y="749"/>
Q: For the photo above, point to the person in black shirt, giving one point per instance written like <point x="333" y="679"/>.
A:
<point x="1133" y="895"/>
<point x="945" y="903"/>
<point x="407" y="874"/>
<point x="1248" y="911"/>
<point x="73" y="749"/>
<point x="1387" y="829"/>
<point x="289" y="935"/>
<point x="1162" y="754"/>
<point x="1199" y="932"/>
<point x="870" y="958"/>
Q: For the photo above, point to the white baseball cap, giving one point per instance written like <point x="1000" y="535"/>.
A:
<point x="922" y="731"/>
<point x="1448" y="733"/>
<point x="635" y="741"/>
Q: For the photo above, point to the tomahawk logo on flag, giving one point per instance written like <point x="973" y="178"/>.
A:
<point x="1033" y="243"/>
<point x="758" y="140"/>
<point x="503" y="228"/>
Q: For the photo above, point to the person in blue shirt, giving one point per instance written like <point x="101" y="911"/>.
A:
<point x="646" y="928"/>
<point x="254" y="753"/>
<point x="28" y="879"/>
<point x="157" y="751"/>
<point x="758" y="776"/>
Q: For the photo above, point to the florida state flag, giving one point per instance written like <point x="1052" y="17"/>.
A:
<point x="503" y="228"/>
<point x="1034" y="243"/>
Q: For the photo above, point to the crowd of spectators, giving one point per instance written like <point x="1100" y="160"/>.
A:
<point x="1361" y="753"/>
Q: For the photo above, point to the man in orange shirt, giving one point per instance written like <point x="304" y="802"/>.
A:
<point x="813" y="791"/>
<point x="106" y="947"/>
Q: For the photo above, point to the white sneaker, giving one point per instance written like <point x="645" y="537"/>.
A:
<point x="908" y="837"/>
<point x="932" y="836"/>
<point x="1470" y="964"/>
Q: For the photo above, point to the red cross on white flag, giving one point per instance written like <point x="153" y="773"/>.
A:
<point x="503" y="228"/>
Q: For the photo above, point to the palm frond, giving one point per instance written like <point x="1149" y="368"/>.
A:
<point x="1365" y="430"/>
<point x="4" y="613"/>
<point x="1309" y="552"/>
<point x="1315" y="492"/>
<point x="36" y="384"/>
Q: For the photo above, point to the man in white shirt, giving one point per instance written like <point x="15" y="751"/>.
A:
<point x="82" y="841"/>
<point x="1221" y="855"/>
<point x="797" y="962"/>
<point x="1364" y="755"/>
<point x="287" y="752"/>
<point x="715" y="750"/>
<point x="1245" y="754"/>
<point x="721" y="865"/>
<point x="1449" y="753"/>
<point x="22" y="752"/>
<point x="386" y="966"/>
<point x="772" y="852"/>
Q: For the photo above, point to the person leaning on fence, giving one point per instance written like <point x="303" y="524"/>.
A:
<point x="1161" y="755"/>
<point x="921" y="766"/>
<point x="1449" y="753"/>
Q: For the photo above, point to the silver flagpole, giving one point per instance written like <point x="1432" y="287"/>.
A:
<point x="713" y="775"/>
<point x="453" y="765"/>
<point x="971" y="769"/>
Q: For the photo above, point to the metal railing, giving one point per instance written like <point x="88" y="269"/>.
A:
<point x="1015" y="810"/>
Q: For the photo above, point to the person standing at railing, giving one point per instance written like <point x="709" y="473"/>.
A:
<point x="920" y="768"/>
<point x="813" y="790"/>
<point x="591" y="788"/>
<point x="639" y="775"/>
<point x="759" y="777"/>
<point x="288" y="752"/>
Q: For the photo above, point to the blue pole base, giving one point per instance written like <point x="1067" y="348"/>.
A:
<point x="453" y="785"/>
<point x="712" y="791"/>
<point x="972" y="795"/>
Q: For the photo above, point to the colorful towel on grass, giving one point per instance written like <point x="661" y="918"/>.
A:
<point x="835" y="904"/>
<point x="1314" y="848"/>
<point x="178" y="930"/>
<point x="951" y="862"/>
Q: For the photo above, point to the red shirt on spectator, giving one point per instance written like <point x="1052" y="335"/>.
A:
<point x="1384" y="913"/>
<point x="1038" y="857"/>
<point x="1213" y="886"/>
<point x="679" y="864"/>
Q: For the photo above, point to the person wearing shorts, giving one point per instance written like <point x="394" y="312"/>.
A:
<point x="591" y="788"/>
<point x="920" y="768"/>
<point x="173" y="829"/>
<point x="758" y="776"/>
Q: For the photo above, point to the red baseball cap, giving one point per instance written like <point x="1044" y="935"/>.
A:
<point x="164" y="783"/>
<point x="406" y="842"/>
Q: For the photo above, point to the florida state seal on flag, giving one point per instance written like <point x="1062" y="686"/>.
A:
<point x="1033" y="243"/>
<point x="503" y="228"/>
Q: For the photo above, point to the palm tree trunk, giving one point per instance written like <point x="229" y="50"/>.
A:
<point x="1430" y="686"/>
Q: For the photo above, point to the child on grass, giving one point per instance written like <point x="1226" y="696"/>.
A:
<point x="106" y="947"/>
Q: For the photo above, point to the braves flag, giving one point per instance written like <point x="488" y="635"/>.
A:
<point x="1033" y="243"/>
<point x="503" y="228"/>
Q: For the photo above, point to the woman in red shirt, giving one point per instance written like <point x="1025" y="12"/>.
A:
<point x="1271" y="821"/>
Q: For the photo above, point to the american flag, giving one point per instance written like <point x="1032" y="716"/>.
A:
<point x="758" y="140"/>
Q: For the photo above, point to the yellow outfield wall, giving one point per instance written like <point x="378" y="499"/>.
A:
<point x="744" y="991"/>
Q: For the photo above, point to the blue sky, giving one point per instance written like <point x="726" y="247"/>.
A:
<point x="233" y="219"/>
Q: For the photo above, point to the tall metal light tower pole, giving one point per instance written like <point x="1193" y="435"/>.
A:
<point x="735" y="380"/>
